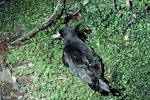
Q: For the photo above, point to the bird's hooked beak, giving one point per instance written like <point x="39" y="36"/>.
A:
<point x="57" y="35"/>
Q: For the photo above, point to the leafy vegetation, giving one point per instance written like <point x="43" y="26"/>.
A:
<point x="120" y="38"/>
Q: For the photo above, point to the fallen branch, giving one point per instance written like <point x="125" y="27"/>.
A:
<point x="41" y="26"/>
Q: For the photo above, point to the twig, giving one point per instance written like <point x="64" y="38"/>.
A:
<point x="85" y="2"/>
<point x="56" y="8"/>
<point x="37" y="28"/>
<point x="78" y="9"/>
<point x="28" y="33"/>
<point x="128" y="5"/>
<point x="134" y="20"/>
<point x="73" y="12"/>
<point x="36" y="89"/>
<point x="60" y="78"/>
<point x="114" y="5"/>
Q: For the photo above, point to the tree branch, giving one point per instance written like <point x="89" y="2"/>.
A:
<point x="41" y="26"/>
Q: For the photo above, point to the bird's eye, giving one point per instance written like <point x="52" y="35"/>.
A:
<point x="61" y="31"/>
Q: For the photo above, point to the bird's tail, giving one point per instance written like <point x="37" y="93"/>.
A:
<point x="104" y="86"/>
<point x="101" y="87"/>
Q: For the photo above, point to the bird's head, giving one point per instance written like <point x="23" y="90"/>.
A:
<point x="66" y="33"/>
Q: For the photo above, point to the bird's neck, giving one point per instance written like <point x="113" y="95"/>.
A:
<point x="70" y="41"/>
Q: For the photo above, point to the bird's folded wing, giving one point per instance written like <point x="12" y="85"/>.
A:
<point x="78" y="64"/>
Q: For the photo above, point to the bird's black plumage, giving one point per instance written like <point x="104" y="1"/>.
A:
<point x="82" y="61"/>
